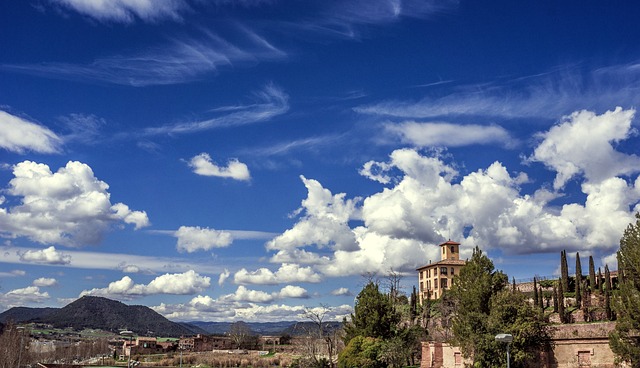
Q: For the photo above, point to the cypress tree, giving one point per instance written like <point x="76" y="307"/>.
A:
<point x="592" y="274"/>
<point x="561" y="302"/>
<point x="564" y="271"/>
<point x="540" y="298"/>
<point x="535" y="293"/>
<point x="607" y="293"/>
<point x="586" y="301"/>
<point x="555" y="299"/>
<point x="513" y="284"/>
<point x="600" y="283"/>
<point x="578" y="281"/>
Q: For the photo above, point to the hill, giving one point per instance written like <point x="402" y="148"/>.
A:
<point x="110" y="315"/>
<point x="23" y="314"/>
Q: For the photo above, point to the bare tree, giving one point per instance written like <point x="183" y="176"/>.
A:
<point x="323" y="332"/>
<point x="13" y="346"/>
<point x="239" y="332"/>
<point x="393" y="284"/>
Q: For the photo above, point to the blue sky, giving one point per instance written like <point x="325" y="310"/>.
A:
<point x="245" y="160"/>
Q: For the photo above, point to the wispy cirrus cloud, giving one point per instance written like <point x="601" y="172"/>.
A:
<point x="179" y="61"/>
<point x="449" y="135"/>
<point x="544" y="96"/>
<point x="126" y="11"/>
<point x="271" y="101"/>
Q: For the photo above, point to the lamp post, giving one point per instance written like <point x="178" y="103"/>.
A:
<point x="130" y="334"/>
<point x="21" y="329"/>
<point x="506" y="338"/>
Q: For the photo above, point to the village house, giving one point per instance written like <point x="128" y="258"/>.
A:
<point x="434" y="278"/>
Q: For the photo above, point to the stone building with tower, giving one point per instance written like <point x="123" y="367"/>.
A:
<point x="435" y="278"/>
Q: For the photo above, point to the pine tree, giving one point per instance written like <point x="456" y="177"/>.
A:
<point x="564" y="271"/>
<point x="535" y="293"/>
<point x="578" y="281"/>
<point x="620" y="267"/>
<point x="373" y="315"/>
<point x="623" y="340"/>
<point x="592" y="275"/>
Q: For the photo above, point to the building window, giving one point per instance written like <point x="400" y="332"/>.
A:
<point x="443" y="250"/>
<point x="435" y="272"/>
<point x="435" y="285"/>
<point x="457" y="358"/>
<point x="444" y="283"/>
<point x="429" y="273"/>
<point x="443" y="270"/>
<point x="421" y="286"/>
<point x="421" y="275"/>
<point x="452" y="271"/>
<point x="584" y="359"/>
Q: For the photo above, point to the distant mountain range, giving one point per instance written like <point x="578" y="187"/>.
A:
<point x="103" y="314"/>
<point x="110" y="315"/>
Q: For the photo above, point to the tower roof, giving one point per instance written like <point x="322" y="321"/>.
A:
<point x="449" y="242"/>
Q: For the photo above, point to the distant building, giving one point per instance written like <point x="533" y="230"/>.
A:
<point x="205" y="343"/>
<point x="435" y="278"/>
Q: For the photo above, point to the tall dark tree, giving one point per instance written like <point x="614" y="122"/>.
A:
<point x="578" y="281"/>
<point x="485" y="307"/>
<point x="540" y="298"/>
<point x="513" y="284"/>
<point x="592" y="275"/>
<point x="535" y="293"/>
<point x="600" y="281"/>
<point x="620" y="267"/>
<point x="561" y="302"/>
<point x="555" y="299"/>
<point x="564" y="271"/>
<point x="624" y="340"/>
<point x="586" y="301"/>
<point x="607" y="293"/>
<point x="373" y="315"/>
<point x="413" y="306"/>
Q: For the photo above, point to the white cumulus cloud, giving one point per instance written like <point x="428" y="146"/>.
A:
<point x="46" y="256"/>
<point x="203" y="165"/>
<point x="70" y="207"/>
<point x="22" y="297"/>
<point x="285" y="274"/>
<point x="45" y="282"/>
<point x="186" y="283"/>
<point x="449" y="135"/>
<point x="584" y="144"/>
<point x="192" y="239"/>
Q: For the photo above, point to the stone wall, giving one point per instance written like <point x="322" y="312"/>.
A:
<point x="573" y="345"/>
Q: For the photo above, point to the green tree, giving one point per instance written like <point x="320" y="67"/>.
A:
<point x="535" y="293"/>
<point x="624" y="340"/>
<point x="555" y="299"/>
<point x="592" y="275"/>
<point x="362" y="352"/>
<point x="560" y="297"/>
<point x="373" y="315"/>
<point x="564" y="271"/>
<point x="578" y="281"/>
<point x="483" y="308"/>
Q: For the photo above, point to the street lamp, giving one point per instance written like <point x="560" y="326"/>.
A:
<point x="506" y="338"/>
<point x="130" y="334"/>
<point x="21" y="329"/>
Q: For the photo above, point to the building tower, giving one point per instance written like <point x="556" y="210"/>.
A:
<point x="435" y="278"/>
